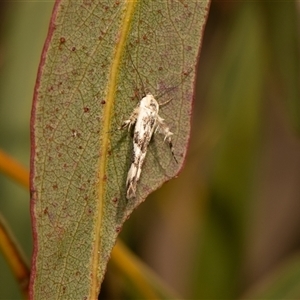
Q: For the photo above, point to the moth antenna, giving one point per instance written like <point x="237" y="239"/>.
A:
<point x="186" y="74"/>
<point x="140" y="78"/>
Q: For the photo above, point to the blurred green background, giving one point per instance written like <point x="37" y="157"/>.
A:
<point x="229" y="226"/>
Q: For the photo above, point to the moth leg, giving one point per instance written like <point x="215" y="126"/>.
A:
<point x="164" y="129"/>
<point x="165" y="103"/>
<point x="132" y="119"/>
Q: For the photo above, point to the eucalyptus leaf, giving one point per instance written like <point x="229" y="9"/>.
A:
<point x="99" y="58"/>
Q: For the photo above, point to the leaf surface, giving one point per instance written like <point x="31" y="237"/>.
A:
<point x="99" y="58"/>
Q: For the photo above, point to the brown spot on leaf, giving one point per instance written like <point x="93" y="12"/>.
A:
<point x="189" y="48"/>
<point x="49" y="127"/>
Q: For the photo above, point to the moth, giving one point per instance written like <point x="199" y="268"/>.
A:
<point x="146" y="122"/>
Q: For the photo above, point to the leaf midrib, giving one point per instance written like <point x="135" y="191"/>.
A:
<point x="112" y="83"/>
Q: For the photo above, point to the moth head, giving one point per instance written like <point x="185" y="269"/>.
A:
<point x="149" y="102"/>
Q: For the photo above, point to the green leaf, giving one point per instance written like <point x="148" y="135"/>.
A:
<point x="98" y="57"/>
<point x="282" y="29"/>
<point x="284" y="283"/>
<point x="235" y="96"/>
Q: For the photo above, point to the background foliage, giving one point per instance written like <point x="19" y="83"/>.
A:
<point x="232" y="216"/>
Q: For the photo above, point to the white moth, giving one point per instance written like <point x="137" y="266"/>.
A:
<point x="147" y="121"/>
